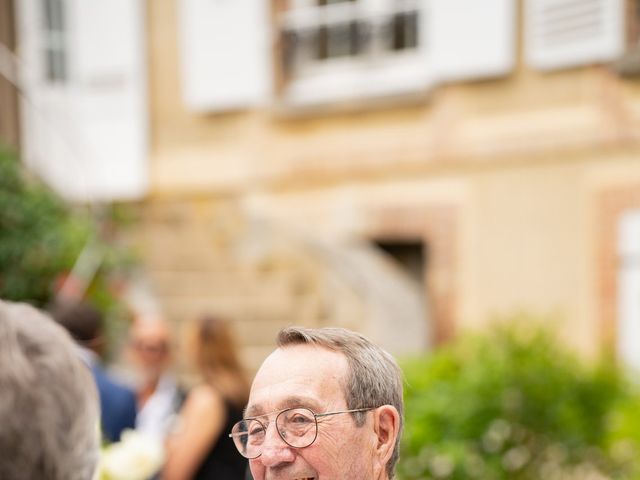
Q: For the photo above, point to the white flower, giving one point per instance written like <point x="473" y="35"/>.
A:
<point x="135" y="457"/>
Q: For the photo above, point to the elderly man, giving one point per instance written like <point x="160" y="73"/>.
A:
<point x="325" y="405"/>
<point x="48" y="402"/>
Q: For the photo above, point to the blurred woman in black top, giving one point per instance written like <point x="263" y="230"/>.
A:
<point x="200" y="449"/>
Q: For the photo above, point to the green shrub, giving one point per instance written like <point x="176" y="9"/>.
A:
<point x="513" y="404"/>
<point x="41" y="238"/>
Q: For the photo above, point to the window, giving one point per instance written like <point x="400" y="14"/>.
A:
<point x="54" y="40"/>
<point x="315" y="33"/>
<point x="357" y="52"/>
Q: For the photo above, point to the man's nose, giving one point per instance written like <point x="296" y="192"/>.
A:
<point x="275" y="451"/>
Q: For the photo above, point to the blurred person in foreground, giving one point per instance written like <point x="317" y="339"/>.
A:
<point x="48" y="403"/>
<point x="158" y="394"/>
<point x="325" y="405"/>
<point x="117" y="402"/>
<point x="200" y="448"/>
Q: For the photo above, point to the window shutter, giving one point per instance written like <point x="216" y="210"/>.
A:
<point x="568" y="33"/>
<point x="469" y="39"/>
<point x="629" y="288"/>
<point x="86" y="135"/>
<point x="225" y="53"/>
<point x="110" y="97"/>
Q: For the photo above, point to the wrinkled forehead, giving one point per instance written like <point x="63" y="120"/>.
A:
<point x="299" y="375"/>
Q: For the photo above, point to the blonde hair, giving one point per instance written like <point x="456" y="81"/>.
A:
<point x="217" y="359"/>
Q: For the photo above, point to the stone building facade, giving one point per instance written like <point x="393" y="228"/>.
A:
<point x="410" y="169"/>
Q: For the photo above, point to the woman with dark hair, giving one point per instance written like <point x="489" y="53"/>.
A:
<point x="200" y="447"/>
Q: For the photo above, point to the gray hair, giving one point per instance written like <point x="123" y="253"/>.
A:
<point x="49" y="409"/>
<point x="374" y="377"/>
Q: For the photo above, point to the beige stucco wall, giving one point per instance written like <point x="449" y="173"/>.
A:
<point x="522" y="160"/>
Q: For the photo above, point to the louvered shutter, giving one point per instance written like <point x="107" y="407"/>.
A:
<point x="469" y="39"/>
<point x="567" y="33"/>
<point x="225" y="52"/>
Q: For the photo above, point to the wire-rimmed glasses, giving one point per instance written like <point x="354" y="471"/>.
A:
<point x="297" y="427"/>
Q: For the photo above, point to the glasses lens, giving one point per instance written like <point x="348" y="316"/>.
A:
<point x="248" y="435"/>
<point x="297" y="427"/>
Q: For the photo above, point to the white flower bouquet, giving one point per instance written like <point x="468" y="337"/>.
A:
<point x="135" y="457"/>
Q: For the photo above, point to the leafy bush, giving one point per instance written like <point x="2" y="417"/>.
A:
<point x="514" y="405"/>
<point x="41" y="238"/>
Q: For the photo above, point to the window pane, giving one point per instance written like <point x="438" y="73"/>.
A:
<point x="340" y="40"/>
<point x="53" y="15"/>
<point x="56" y="69"/>
<point x="321" y="43"/>
<point x="404" y="31"/>
<point x="289" y="40"/>
<point x="50" y="64"/>
<point x="47" y="10"/>
<point x="329" y="2"/>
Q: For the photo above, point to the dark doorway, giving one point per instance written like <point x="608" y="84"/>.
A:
<point x="410" y="255"/>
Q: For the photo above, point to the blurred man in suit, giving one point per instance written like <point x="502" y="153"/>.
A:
<point x="117" y="402"/>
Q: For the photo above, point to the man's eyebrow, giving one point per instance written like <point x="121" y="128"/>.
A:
<point x="252" y="411"/>
<point x="289" y="402"/>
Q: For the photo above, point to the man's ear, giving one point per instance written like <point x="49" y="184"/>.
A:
<point x="386" y="427"/>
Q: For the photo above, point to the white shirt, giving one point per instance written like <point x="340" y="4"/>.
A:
<point x="158" y="414"/>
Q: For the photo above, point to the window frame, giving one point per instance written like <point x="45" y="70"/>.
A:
<point x="302" y="74"/>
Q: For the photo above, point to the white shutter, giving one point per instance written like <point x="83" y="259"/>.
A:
<point x="469" y="39"/>
<point x="568" y="33"/>
<point x="225" y="53"/>
<point x="107" y="52"/>
<point x="629" y="289"/>
<point x="86" y="136"/>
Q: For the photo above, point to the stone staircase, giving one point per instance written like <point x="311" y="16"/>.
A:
<point x="201" y="257"/>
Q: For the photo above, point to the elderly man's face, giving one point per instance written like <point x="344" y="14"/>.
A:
<point x="311" y="377"/>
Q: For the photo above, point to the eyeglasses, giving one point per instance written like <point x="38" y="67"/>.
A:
<point x="297" y="427"/>
<point x="150" y="348"/>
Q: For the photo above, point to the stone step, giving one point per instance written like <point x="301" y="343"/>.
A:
<point x="257" y="321"/>
<point x="220" y="284"/>
<point x="185" y="308"/>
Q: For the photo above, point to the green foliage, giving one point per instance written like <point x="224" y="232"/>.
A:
<point x="514" y="405"/>
<point x="41" y="238"/>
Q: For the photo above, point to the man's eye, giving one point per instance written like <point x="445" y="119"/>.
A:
<point x="300" y="419"/>
<point x="256" y="430"/>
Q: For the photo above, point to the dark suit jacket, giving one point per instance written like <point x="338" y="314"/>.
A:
<point x="117" y="405"/>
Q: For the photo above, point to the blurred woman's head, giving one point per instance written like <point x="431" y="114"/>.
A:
<point x="216" y="357"/>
